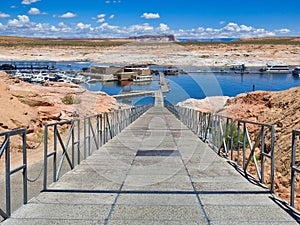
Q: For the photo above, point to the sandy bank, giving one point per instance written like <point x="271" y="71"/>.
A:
<point x="163" y="54"/>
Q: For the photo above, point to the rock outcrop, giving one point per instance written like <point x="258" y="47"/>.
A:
<point x="30" y="106"/>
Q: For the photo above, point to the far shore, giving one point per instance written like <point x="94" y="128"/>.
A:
<point x="172" y="53"/>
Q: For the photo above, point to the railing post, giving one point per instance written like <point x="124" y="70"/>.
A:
<point x="272" y="158"/>
<point x="24" y="169"/>
<point x="55" y="153"/>
<point x="78" y="143"/>
<point x="7" y="177"/>
<point x="84" y="137"/>
<point x="100" y="120"/>
<point x="294" y="145"/>
<point x="45" y="157"/>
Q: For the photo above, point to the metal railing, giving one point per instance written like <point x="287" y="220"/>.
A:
<point x="257" y="146"/>
<point x="60" y="149"/>
<point x="97" y="130"/>
<point x="5" y="149"/>
<point x="232" y="138"/>
<point x="100" y="128"/>
<point x="294" y="168"/>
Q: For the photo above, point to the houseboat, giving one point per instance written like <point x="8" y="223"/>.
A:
<point x="142" y="78"/>
<point x="270" y="68"/>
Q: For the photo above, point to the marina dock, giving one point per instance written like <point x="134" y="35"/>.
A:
<point x="164" y="88"/>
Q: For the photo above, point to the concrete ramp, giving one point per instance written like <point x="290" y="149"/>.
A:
<point x="155" y="172"/>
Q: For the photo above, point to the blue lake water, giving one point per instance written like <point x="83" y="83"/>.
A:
<point x="201" y="85"/>
<point x="191" y="85"/>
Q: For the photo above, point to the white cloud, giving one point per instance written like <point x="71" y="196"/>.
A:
<point x="23" y="26"/>
<point x="28" y="2"/>
<point x="82" y="26"/>
<point x="111" y="16"/>
<point x="101" y="18"/>
<point x="101" y="15"/>
<point x="151" y="16"/>
<point x="22" y="20"/>
<point x="222" y="22"/>
<point x="4" y="15"/>
<point x="283" y="31"/>
<point x="140" y="28"/>
<point x="13" y="7"/>
<point x="246" y="28"/>
<point x="163" y="27"/>
<point x="68" y="15"/>
<point x="228" y="31"/>
<point x="232" y="27"/>
<point x="34" y="11"/>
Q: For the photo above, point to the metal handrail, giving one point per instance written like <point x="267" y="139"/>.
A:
<point x="58" y="142"/>
<point x="294" y="168"/>
<point x="219" y="132"/>
<point x="93" y="133"/>
<point x="98" y="130"/>
<point x="5" y="149"/>
<point x="259" y="142"/>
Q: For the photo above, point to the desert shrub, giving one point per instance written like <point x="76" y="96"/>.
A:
<point x="70" y="100"/>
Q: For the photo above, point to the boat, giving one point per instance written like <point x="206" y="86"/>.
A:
<point x="296" y="71"/>
<point x="239" y="69"/>
<point x="78" y="79"/>
<point x="270" y="68"/>
<point x="173" y="71"/>
<point x="142" y="78"/>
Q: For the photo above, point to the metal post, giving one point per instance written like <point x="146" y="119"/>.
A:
<point x="7" y="177"/>
<point x="45" y="157"/>
<point x="292" y="168"/>
<point x="78" y="142"/>
<point x="262" y="154"/>
<point x="72" y="143"/>
<point x="55" y="153"/>
<point x="84" y="137"/>
<point x="272" y="158"/>
<point x="24" y="169"/>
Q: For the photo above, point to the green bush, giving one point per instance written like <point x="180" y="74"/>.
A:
<point x="70" y="100"/>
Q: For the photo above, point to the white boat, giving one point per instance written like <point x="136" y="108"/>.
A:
<point x="270" y="68"/>
<point x="142" y="78"/>
<point x="25" y="77"/>
<point x="78" y="79"/>
<point x="38" y="78"/>
<point x="296" y="71"/>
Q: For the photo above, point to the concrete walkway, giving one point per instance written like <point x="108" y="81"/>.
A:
<point x="155" y="172"/>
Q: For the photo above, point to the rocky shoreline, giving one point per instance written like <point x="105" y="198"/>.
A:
<point x="32" y="106"/>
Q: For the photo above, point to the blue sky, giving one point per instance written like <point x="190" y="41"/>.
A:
<point x="125" y="18"/>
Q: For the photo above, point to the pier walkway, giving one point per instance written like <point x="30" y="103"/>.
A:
<point x="164" y="88"/>
<point x="154" y="172"/>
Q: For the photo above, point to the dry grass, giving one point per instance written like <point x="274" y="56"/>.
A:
<point x="34" y="42"/>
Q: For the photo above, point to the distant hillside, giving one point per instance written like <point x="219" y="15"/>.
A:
<point x="33" y="42"/>
<point x="154" y="38"/>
